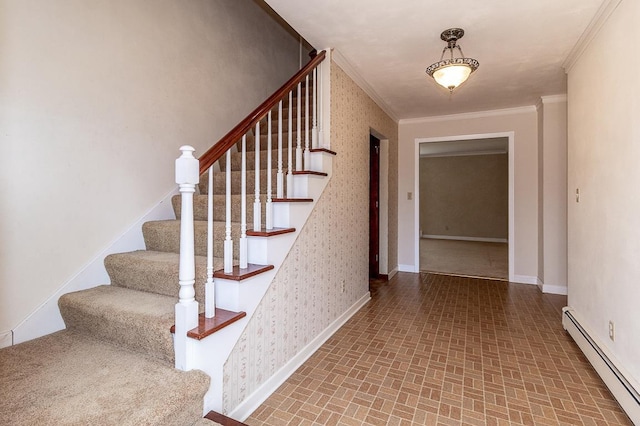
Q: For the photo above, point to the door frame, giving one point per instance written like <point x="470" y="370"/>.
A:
<point x="511" y="153"/>
<point x="374" y="209"/>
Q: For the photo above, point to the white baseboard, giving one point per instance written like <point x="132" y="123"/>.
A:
<point x="462" y="238"/>
<point x="525" y="279"/>
<point x="253" y="401"/>
<point x="407" y="268"/>
<point x="6" y="338"/>
<point x="393" y="272"/>
<point x="46" y="319"/>
<point x="554" y="289"/>
<point x="613" y="374"/>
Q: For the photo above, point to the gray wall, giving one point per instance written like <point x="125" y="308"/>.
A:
<point x="464" y="196"/>
<point x="96" y="98"/>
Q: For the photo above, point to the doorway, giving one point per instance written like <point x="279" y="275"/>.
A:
<point x="374" y="207"/>
<point x="475" y="235"/>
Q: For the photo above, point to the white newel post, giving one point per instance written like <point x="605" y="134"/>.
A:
<point x="187" y="177"/>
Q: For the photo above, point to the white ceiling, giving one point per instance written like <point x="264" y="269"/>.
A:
<point x="520" y="44"/>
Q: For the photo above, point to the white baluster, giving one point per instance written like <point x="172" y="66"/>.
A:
<point x="280" y="176"/>
<point x="290" y="146"/>
<point x="306" y="123"/>
<point x="299" y="131"/>
<point x="228" y="242"/>
<point x="209" y="289"/>
<point x="257" y="206"/>
<point x="314" y="130"/>
<point x="186" y="310"/>
<point x="320" y="106"/>
<point x="269" y="204"/>
<point x="243" y="206"/>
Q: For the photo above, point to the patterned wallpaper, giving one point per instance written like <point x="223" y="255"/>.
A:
<point x="305" y="296"/>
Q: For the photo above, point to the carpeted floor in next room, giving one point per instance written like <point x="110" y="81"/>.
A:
<point x="442" y="350"/>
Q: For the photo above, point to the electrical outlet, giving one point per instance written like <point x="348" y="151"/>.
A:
<point x="343" y="287"/>
<point x="612" y="330"/>
<point x="577" y="195"/>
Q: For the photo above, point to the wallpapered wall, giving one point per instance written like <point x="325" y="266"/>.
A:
<point x="305" y="296"/>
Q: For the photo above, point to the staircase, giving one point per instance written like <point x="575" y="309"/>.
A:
<point x="119" y="340"/>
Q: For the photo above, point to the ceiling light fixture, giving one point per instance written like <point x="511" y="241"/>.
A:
<point x="451" y="73"/>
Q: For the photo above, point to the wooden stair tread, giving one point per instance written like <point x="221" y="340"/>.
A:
<point x="222" y="419"/>
<point x="328" y="151"/>
<point x="310" y="172"/>
<point x="208" y="326"/>
<point x="271" y="232"/>
<point x="242" y="274"/>
<point x="292" y="200"/>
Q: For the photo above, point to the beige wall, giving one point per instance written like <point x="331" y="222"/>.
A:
<point x="96" y="97"/>
<point x="523" y="122"/>
<point x="604" y="149"/>
<point x="465" y="196"/>
<point x="553" y="190"/>
<point x="332" y="249"/>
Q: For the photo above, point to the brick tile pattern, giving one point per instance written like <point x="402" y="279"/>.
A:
<point x="442" y="350"/>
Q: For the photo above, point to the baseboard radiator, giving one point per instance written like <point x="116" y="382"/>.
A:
<point x="625" y="393"/>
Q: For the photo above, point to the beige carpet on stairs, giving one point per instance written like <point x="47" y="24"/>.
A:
<point x="66" y="378"/>
<point x="113" y="365"/>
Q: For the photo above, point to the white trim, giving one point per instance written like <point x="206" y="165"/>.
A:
<point x="383" y="209"/>
<point x="554" y="99"/>
<point x="465" y="153"/>
<point x="525" y="279"/>
<point x="461" y="238"/>
<point x="554" y="289"/>
<point x="351" y="71"/>
<point x="593" y="348"/>
<point x="470" y="115"/>
<point x="46" y="318"/>
<point x="6" y="339"/>
<point x="253" y="401"/>
<point x="393" y="272"/>
<point x="602" y="15"/>
<point x="416" y="190"/>
<point x="409" y="268"/>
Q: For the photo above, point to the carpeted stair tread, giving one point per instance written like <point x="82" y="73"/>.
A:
<point x="220" y="185"/>
<point x="236" y="159"/>
<point x="164" y="235"/>
<point x="138" y="320"/>
<point x="200" y="205"/>
<point x="66" y="378"/>
<point x="155" y="272"/>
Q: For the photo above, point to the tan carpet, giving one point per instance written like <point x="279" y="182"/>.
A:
<point x="469" y="258"/>
<point x="67" y="379"/>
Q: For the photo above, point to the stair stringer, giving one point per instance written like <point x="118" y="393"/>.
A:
<point x="211" y="353"/>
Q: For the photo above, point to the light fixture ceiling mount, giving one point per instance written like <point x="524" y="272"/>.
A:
<point x="451" y="73"/>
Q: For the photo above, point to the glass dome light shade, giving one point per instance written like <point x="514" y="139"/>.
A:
<point x="452" y="76"/>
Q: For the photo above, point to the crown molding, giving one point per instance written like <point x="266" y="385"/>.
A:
<point x="602" y="15"/>
<point x="554" y="99"/>
<point x="470" y="115"/>
<point x="350" y="70"/>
